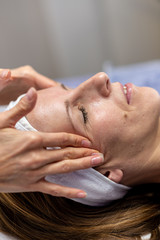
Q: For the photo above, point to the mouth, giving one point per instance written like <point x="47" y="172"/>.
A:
<point x="127" y="91"/>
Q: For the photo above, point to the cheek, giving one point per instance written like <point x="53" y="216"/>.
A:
<point x="113" y="121"/>
<point x="147" y="105"/>
<point x="109" y="127"/>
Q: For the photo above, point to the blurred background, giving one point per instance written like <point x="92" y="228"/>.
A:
<point x="67" y="38"/>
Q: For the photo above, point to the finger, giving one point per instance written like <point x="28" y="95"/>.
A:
<point x="64" y="140"/>
<point x="5" y="74"/>
<point x="67" y="166"/>
<point x="28" y="73"/>
<point x="5" y="78"/>
<point x="74" y="153"/>
<point x="24" y="106"/>
<point x="58" y="190"/>
<point x="38" y="158"/>
<point x="42" y="81"/>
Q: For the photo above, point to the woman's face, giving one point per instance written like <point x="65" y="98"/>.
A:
<point x="121" y="126"/>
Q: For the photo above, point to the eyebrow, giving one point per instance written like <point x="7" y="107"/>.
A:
<point x="67" y="105"/>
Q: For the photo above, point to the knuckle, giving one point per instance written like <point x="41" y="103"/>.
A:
<point x="65" y="167"/>
<point x="34" y="157"/>
<point x="22" y="106"/>
<point x="67" y="153"/>
<point x="85" y="164"/>
<point x="55" y="192"/>
<point x="71" y="139"/>
<point x="27" y="71"/>
<point x="28" y="68"/>
<point x="34" y="138"/>
<point x="68" y="194"/>
<point x="34" y="160"/>
<point x="87" y="152"/>
<point x="65" y="138"/>
<point x="76" y="141"/>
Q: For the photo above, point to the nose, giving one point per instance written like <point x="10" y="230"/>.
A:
<point x="98" y="84"/>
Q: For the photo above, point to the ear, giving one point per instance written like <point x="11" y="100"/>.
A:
<point x="115" y="175"/>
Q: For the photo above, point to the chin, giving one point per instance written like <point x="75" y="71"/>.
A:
<point x="150" y="97"/>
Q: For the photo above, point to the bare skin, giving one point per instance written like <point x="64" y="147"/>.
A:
<point x="17" y="81"/>
<point x="128" y="134"/>
<point x="24" y="160"/>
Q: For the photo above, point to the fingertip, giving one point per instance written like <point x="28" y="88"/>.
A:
<point x="5" y="73"/>
<point x="31" y="94"/>
<point x="81" y="195"/>
<point x="86" y="143"/>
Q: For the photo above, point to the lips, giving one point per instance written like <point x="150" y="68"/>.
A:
<point x="127" y="95"/>
<point x="129" y="92"/>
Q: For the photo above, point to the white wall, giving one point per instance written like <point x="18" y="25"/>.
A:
<point x="63" y="38"/>
<point x="73" y="25"/>
<point x="23" y="39"/>
<point x="134" y="30"/>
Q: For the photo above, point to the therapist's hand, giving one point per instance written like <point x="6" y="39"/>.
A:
<point x="17" y="81"/>
<point x="24" y="160"/>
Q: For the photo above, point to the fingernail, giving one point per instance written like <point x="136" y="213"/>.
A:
<point x="4" y="73"/>
<point x="86" y="143"/>
<point x="81" y="195"/>
<point x="97" y="159"/>
<point x="30" y="94"/>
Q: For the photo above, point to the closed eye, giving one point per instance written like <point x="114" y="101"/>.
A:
<point x="84" y="114"/>
<point x="64" y="87"/>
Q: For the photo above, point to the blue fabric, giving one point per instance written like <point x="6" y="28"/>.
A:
<point x="141" y="74"/>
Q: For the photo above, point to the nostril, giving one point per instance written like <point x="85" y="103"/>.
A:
<point x="108" y="86"/>
<point x="107" y="174"/>
<point x="107" y="83"/>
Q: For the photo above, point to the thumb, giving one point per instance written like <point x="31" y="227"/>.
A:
<point x="22" y="108"/>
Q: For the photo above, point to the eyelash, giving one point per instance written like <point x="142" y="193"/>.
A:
<point x="84" y="113"/>
<point x="63" y="86"/>
<point x="82" y="109"/>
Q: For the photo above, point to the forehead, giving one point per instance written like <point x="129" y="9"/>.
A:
<point x="57" y="92"/>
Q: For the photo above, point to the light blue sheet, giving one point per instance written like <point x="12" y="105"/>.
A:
<point x="142" y="74"/>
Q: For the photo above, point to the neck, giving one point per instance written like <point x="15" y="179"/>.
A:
<point x="154" y="162"/>
<point x="147" y="165"/>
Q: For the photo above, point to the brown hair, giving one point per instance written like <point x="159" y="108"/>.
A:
<point x="38" y="216"/>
